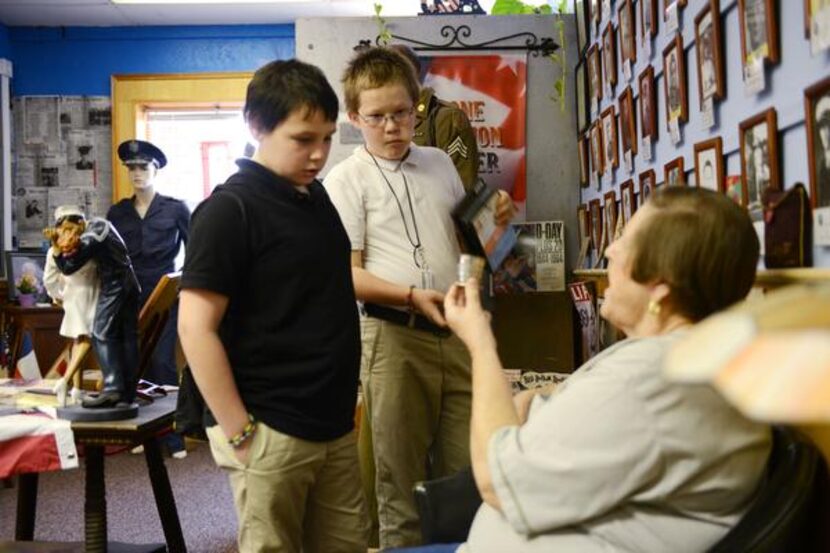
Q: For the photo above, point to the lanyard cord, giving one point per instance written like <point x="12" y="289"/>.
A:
<point x="416" y="244"/>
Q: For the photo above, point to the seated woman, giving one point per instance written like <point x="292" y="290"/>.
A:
<point x="617" y="458"/>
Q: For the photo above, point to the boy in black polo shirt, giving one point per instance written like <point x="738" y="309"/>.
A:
<point x="269" y="325"/>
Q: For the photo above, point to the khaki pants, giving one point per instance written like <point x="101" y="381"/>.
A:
<point x="416" y="390"/>
<point x="295" y="495"/>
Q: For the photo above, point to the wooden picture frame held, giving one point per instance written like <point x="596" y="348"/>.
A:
<point x="628" y="126"/>
<point x="609" y="135"/>
<point x="628" y="200"/>
<point x="759" y="31"/>
<point x="648" y="20"/>
<point x="817" y="116"/>
<point x="609" y="55"/>
<point x="673" y="173"/>
<point x="709" y="171"/>
<point x="628" y="41"/>
<point x="646" y="182"/>
<point x="709" y="53"/>
<point x="648" y="104"/>
<point x="674" y="81"/>
<point x="758" y="137"/>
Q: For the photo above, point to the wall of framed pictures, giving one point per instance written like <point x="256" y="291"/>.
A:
<point x="732" y="95"/>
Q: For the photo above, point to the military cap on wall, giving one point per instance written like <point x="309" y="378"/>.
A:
<point x="133" y="152"/>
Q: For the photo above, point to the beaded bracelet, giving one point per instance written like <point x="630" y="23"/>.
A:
<point x="243" y="435"/>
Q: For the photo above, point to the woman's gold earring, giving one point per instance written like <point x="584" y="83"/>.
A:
<point x="653" y="307"/>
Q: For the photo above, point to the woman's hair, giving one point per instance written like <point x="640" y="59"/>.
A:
<point x="702" y="245"/>
<point x="376" y="67"/>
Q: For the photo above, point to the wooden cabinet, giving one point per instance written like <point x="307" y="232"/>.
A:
<point x="43" y="323"/>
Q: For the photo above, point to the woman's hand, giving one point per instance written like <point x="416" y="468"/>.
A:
<point x="505" y="209"/>
<point x="466" y="317"/>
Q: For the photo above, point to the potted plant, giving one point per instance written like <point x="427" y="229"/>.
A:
<point x="27" y="289"/>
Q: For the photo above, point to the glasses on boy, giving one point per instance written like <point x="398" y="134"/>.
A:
<point x="377" y="120"/>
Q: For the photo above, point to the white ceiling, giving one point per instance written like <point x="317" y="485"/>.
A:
<point x="102" y="13"/>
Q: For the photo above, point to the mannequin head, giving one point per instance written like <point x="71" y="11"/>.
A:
<point x="143" y="160"/>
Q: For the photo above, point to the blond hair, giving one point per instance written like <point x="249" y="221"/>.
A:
<point x="376" y="67"/>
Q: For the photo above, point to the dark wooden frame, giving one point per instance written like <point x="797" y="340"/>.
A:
<point x="598" y="165"/>
<point x="627" y="188"/>
<point x="628" y="129"/>
<point x="582" y="115"/>
<point x="583" y="208"/>
<point x="610" y="200"/>
<point x="596" y="222"/>
<point x="582" y="149"/>
<point x="651" y="98"/>
<point x="667" y="3"/>
<point x="583" y="41"/>
<point x="771" y="27"/>
<point x="769" y="118"/>
<point x="610" y="73"/>
<point x="652" y="6"/>
<point x="711" y="144"/>
<point x="811" y="96"/>
<point x="594" y="65"/>
<point x="676" y="45"/>
<point x="676" y="163"/>
<point x="652" y="176"/>
<point x="611" y="112"/>
<point x="632" y="38"/>
<point x="712" y="7"/>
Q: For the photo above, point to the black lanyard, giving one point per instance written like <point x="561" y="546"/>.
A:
<point x="416" y="244"/>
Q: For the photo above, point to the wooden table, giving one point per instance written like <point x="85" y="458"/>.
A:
<point x="94" y="436"/>
<point x="43" y="323"/>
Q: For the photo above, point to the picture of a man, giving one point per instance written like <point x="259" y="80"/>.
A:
<point x="708" y="84"/>
<point x="647" y="103"/>
<point x="821" y="145"/>
<point x="84" y="163"/>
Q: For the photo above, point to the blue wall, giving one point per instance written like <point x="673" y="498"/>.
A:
<point x="80" y="60"/>
<point x="5" y="47"/>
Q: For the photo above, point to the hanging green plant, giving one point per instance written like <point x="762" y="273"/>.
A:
<point x="559" y="58"/>
<point x="384" y="35"/>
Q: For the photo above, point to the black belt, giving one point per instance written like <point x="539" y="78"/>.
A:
<point x="403" y="318"/>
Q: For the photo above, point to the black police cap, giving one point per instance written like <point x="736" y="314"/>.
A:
<point x="140" y="151"/>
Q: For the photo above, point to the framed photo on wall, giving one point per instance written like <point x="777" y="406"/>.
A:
<point x="597" y="159"/>
<point x="817" y="116"/>
<point x="609" y="135"/>
<point x="594" y="73"/>
<point x="628" y="128"/>
<point x="609" y="56"/>
<point x="667" y="4"/>
<point x="758" y="137"/>
<point x="610" y="216"/>
<point x="628" y="44"/>
<point x="647" y="182"/>
<point x="708" y="46"/>
<point x="709" y="164"/>
<point x="581" y="11"/>
<point x="628" y="202"/>
<point x="648" y="104"/>
<point x="759" y="31"/>
<point x="674" y="78"/>
<point x="673" y="173"/>
<point x="582" y="148"/>
<point x="580" y="97"/>
<point x="595" y="210"/>
<point x="24" y="274"/>
<point x="648" y="20"/>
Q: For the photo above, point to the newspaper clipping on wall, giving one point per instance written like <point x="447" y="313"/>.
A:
<point x="537" y="261"/>
<point x="62" y="155"/>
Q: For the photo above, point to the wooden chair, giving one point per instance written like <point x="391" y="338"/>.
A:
<point x="151" y="322"/>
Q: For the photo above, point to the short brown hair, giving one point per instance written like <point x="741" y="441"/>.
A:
<point x="374" y="68"/>
<point x="702" y="245"/>
<point x="410" y="55"/>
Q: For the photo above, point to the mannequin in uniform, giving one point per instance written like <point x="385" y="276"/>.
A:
<point x="154" y="227"/>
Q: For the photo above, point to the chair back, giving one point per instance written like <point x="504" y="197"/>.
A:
<point x="153" y="317"/>
<point x="782" y="514"/>
<point x="447" y="506"/>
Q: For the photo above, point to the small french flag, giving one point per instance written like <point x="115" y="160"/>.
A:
<point x="27" y="367"/>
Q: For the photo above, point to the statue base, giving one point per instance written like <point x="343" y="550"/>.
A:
<point x="97" y="414"/>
